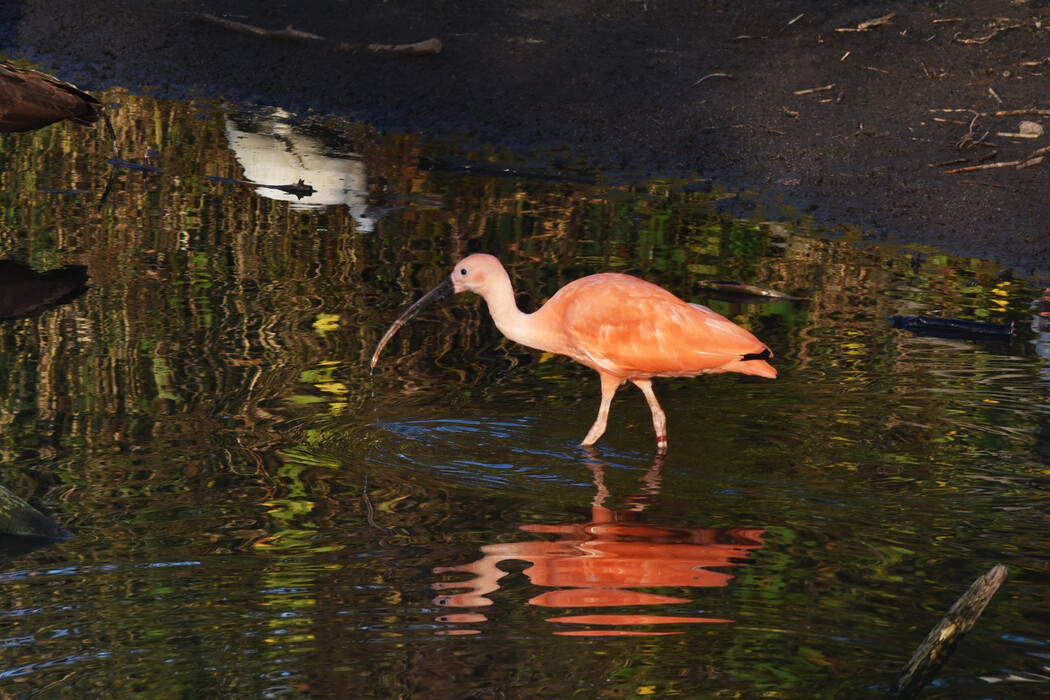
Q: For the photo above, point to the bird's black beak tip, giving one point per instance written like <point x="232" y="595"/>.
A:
<point x="442" y="291"/>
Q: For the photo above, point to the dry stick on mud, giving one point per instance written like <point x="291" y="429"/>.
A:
<point x="1034" y="158"/>
<point x="712" y="75"/>
<point x="970" y="139"/>
<point x="1013" y="113"/>
<point x="940" y="642"/>
<point x="985" y="39"/>
<point x="869" y="25"/>
<point x="430" y="47"/>
<point x="810" y="91"/>
<point x="1031" y="112"/>
<point x="288" y="34"/>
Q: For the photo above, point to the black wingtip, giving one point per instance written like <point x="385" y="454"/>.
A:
<point x="764" y="355"/>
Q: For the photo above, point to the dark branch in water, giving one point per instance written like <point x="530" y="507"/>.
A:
<point x="299" y="189"/>
<point x="141" y="167"/>
<point x="739" y="292"/>
<point x="954" y="329"/>
<point x="940" y="642"/>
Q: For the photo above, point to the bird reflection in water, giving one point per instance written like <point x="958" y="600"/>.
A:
<point x="598" y="564"/>
<point x="25" y="292"/>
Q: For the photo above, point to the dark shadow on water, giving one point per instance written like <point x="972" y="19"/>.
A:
<point x="13" y="547"/>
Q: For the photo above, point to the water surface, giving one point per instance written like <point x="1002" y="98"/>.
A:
<point x="255" y="514"/>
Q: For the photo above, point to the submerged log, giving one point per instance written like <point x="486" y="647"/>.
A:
<point x="940" y="642"/>
<point x="954" y="329"/>
<point x="19" y="518"/>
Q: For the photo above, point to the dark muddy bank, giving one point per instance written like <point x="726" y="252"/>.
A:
<point x="851" y="127"/>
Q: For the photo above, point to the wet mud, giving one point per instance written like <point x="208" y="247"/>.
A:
<point x="903" y="118"/>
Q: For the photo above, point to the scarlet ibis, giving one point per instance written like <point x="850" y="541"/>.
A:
<point x="31" y="100"/>
<point x="621" y="326"/>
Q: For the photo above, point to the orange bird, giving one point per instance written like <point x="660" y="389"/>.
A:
<point x="623" y="327"/>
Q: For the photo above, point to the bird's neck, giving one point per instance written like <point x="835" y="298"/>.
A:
<point x="512" y="322"/>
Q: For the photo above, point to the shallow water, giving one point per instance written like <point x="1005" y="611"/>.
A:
<point x="254" y="513"/>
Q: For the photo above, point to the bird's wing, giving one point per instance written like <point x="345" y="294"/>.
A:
<point x="627" y="326"/>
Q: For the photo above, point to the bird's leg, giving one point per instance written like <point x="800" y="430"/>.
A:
<point x="659" y="419"/>
<point x="609" y="386"/>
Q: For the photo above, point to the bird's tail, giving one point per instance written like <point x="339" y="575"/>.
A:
<point x="754" y="363"/>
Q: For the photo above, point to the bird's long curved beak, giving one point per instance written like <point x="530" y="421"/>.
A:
<point x="442" y="291"/>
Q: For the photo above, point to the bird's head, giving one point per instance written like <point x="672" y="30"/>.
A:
<point x="474" y="273"/>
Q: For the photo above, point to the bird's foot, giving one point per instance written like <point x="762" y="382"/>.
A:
<point x="661" y="444"/>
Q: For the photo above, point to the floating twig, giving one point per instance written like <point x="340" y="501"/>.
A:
<point x="370" y="515"/>
<point x="299" y="189"/>
<point x="742" y="292"/>
<point x="140" y="167"/>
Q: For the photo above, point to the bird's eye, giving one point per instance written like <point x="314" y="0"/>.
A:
<point x="463" y="271"/>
